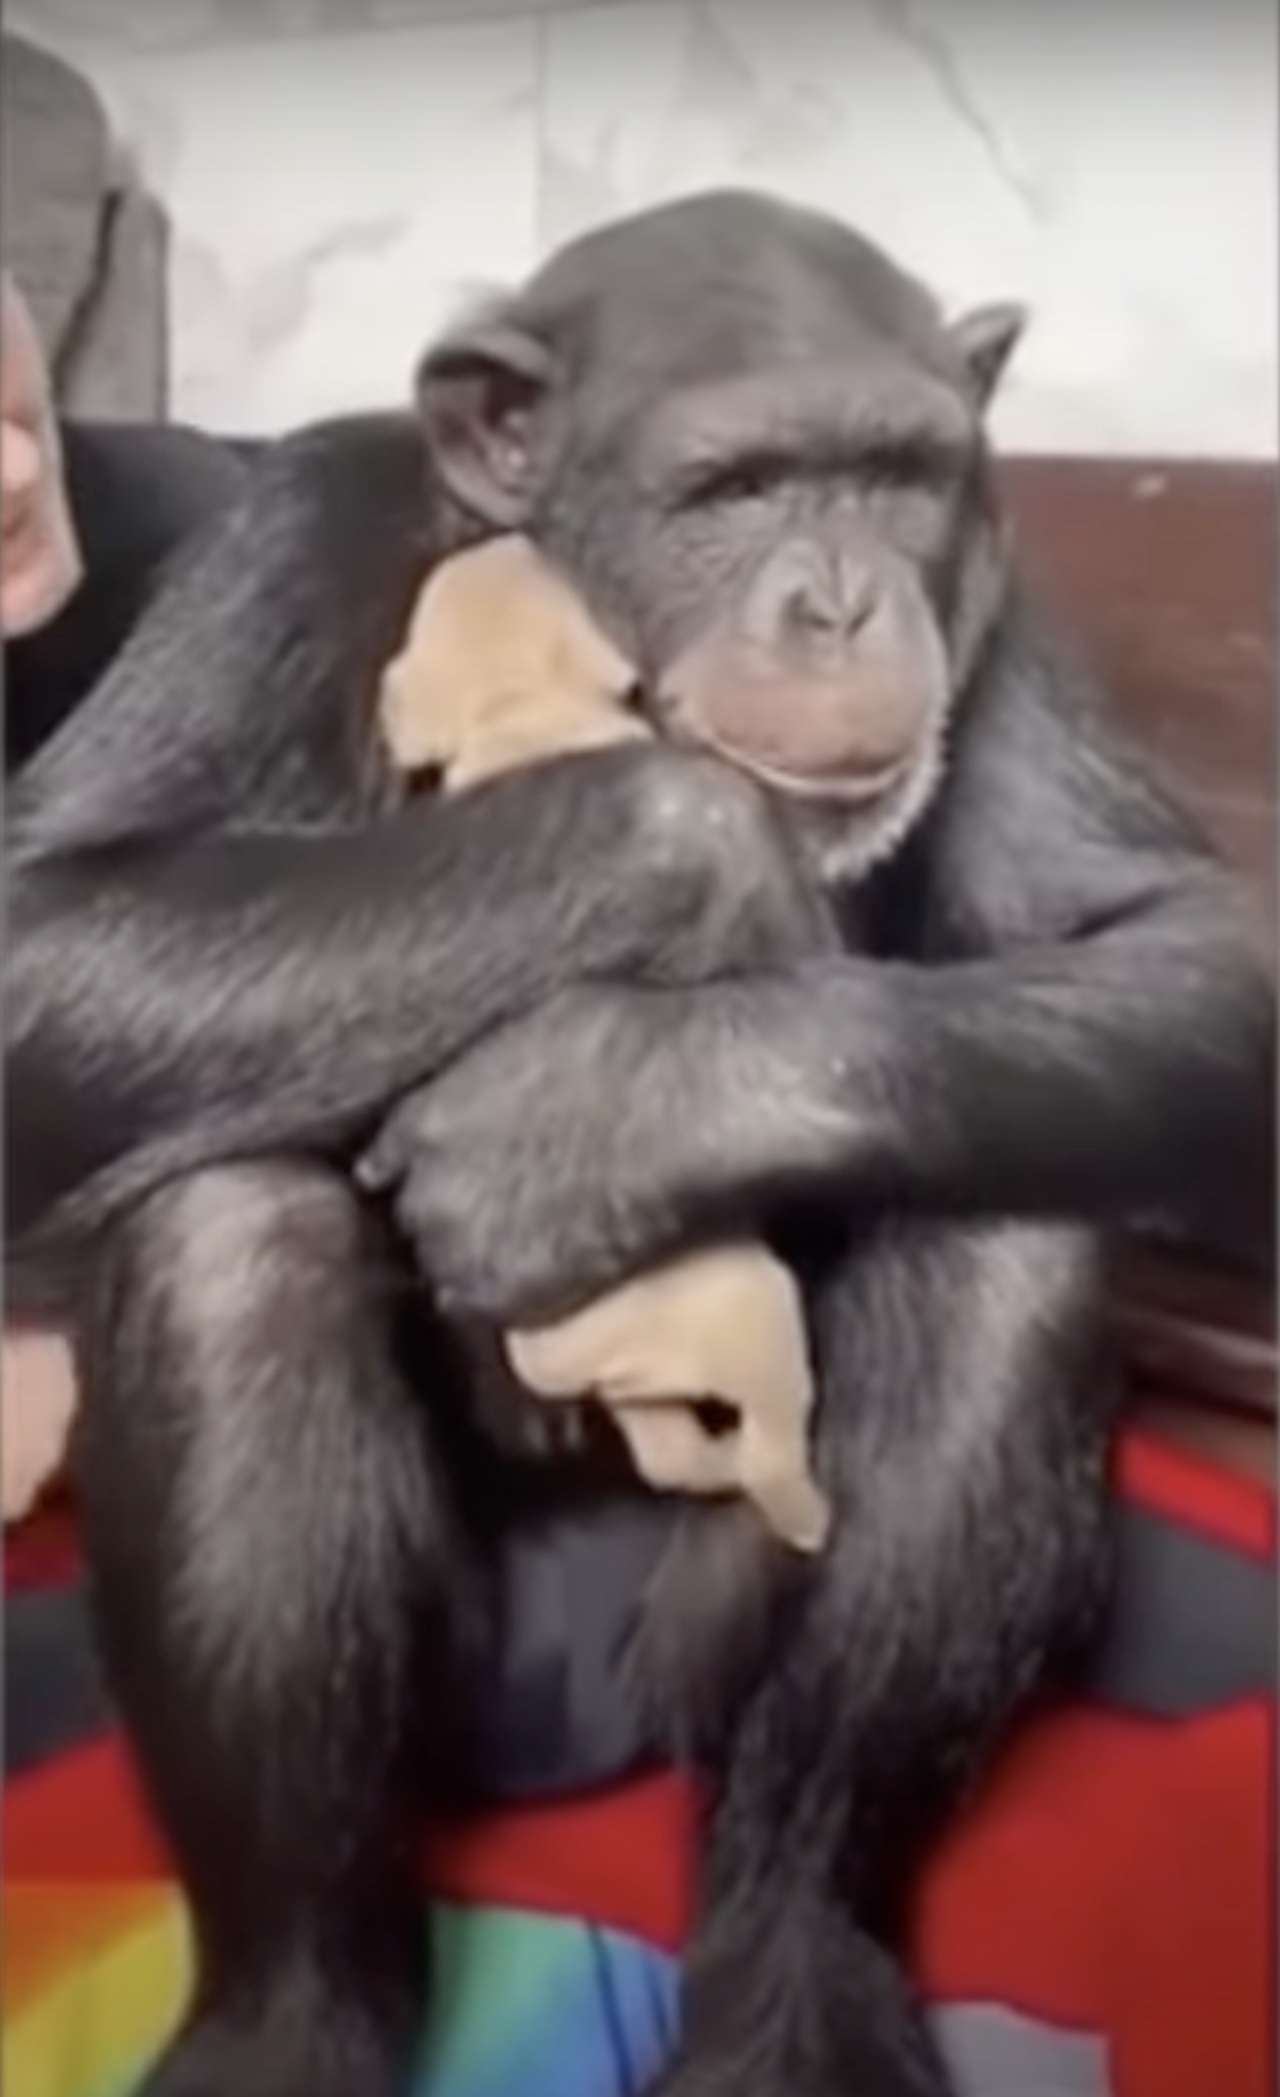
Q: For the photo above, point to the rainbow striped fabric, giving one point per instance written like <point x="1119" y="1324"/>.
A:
<point x="1100" y="1920"/>
<point x="555" y="1932"/>
<point x="527" y="2005"/>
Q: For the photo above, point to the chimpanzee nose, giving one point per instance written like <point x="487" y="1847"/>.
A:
<point x="832" y="603"/>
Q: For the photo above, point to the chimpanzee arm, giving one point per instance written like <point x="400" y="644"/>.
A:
<point x="1086" y="1025"/>
<point x="1079" y="1028"/>
<point x="212" y="949"/>
<point x="183" y="1003"/>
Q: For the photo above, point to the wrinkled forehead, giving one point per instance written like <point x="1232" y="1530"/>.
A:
<point x="860" y="407"/>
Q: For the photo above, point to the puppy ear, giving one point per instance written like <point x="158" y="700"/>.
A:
<point x="986" y="339"/>
<point x="480" y="397"/>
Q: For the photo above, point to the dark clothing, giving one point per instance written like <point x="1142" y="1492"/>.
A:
<point x="138" y="494"/>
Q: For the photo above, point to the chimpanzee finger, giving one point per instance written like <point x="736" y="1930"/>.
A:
<point x="391" y="1152"/>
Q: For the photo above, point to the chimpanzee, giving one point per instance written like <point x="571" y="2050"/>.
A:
<point x="887" y="951"/>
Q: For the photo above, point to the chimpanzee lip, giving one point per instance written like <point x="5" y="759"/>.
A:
<point x="864" y="790"/>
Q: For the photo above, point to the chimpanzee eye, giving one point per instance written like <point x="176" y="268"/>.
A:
<point x="740" y="482"/>
<point x="747" y="483"/>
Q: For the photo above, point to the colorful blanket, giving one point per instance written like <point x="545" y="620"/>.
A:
<point x="1100" y="1923"/>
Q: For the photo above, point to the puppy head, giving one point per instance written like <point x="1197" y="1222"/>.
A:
<point x="498" y="641"/>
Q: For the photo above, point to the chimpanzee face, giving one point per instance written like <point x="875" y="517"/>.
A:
<point x="758" y="451"/>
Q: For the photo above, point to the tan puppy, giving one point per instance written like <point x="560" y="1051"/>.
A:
<point x="502" y="666"/>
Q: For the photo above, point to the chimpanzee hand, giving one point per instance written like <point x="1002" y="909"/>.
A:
<point x="514" y="1175"/>
<point x="612" y="1128"/>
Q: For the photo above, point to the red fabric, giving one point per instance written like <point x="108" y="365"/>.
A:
<point x="41" y="1551"/>
<point x="1117" y="1877"/>
<point x="1114" y="1876"/>
<point x="619" y="1859"/>
<point x="1190" y="1488"/>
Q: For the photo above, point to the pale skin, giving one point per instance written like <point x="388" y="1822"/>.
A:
<point x="40" y="563"/>
<point x="40" y="567"/>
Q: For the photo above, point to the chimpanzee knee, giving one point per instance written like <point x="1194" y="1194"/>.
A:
<point x="212" y="1253"/>
<point x="220" y="1305"/>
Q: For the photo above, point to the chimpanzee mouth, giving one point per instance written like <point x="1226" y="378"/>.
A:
<point x="826" y="785"/>
<point x="860" y="790"/>
<point x="867" y="794"/>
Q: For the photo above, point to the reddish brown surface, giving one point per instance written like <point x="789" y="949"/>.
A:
<point x="1166" y="574"/>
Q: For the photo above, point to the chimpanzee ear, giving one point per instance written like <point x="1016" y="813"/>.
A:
<point x="986" y="338"/>
<point x="479" y="396"/>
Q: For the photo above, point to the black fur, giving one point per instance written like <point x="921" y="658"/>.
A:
<point x="607" y="1011"/>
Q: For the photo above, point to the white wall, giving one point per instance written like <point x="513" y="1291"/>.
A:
<point x="340" y="172"/>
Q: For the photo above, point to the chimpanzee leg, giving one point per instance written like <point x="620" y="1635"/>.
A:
<point x="281" y="1585"/>
<point x="963" y="1432"/>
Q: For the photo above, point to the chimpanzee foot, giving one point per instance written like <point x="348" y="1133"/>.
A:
<point x="739" y="2073"/>
<point x="839" y="2020"/>
<point x="343" y="2052"/>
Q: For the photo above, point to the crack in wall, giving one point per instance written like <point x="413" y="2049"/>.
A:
<point x="901" y="20"/>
